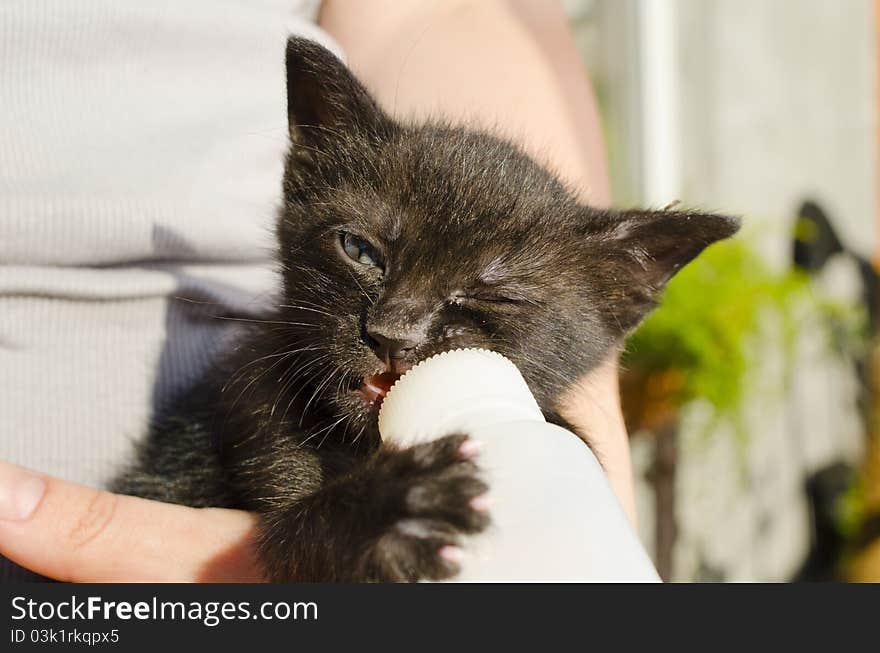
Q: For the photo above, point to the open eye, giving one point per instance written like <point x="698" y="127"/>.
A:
<point x="358" y="250"/>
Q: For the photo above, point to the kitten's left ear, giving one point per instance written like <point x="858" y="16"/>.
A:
<point x="645" y="249"/>
<point x="325" y="102"/>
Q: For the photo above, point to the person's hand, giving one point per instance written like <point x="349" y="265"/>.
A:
<point x="76" y="534"/>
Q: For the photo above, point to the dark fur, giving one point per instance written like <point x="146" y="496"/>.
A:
<point x="481" y="247"/>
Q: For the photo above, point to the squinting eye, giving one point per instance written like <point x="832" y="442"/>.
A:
<point x="358" y="250"/>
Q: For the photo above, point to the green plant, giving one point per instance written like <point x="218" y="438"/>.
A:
<point x="711" y="315"/>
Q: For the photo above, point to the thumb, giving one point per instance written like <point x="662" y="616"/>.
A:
<point x="73" y="533"/>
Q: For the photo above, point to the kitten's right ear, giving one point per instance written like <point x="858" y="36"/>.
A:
<point x="325" y="103"/>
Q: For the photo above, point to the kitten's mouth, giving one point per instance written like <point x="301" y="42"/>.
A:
<point x="376" y="386"/>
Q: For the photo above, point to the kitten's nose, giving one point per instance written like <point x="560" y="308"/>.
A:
<point x="393" y="347"/>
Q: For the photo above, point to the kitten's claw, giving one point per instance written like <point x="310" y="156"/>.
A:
<point x="481" y="503"/>
<point x="453" y="554"/>
<point x="470" y="448"/>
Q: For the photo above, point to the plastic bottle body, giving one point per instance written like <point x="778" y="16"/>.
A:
<point x="554" y="516"/>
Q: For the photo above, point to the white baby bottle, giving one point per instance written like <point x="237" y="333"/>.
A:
<point x="553" y="515"/>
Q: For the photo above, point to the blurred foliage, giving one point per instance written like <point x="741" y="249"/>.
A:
<point x="860" y="505"/>
<point x="853" y="509"/>
<point x="856" y="510"/>
<point x="712" y="314"/>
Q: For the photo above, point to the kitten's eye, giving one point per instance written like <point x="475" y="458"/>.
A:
<point x="359" y="250"/>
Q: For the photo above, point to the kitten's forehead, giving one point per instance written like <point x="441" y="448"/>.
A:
<point x="465" y="178"/>
<point x="448" y="201"/>
<point x="494" y="271"/>
<point x="481" y="217"/>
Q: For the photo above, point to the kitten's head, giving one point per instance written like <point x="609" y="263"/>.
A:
<point x="399" y="241"/>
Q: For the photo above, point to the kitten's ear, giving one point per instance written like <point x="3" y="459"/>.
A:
<point x="325" y="102"/>
<point x="646" y="248"/>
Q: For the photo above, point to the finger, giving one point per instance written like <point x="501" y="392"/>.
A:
<point x="73" y="533"/>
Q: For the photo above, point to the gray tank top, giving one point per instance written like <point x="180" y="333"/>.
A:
<point x="140" y="171"/>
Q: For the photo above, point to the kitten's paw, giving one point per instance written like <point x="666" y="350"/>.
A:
<point x="437" y="496"/>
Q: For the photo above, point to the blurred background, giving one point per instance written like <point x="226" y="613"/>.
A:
<point x="753" y="396"/>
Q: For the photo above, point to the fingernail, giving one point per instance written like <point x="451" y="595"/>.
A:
<point x="470" y="448"/>
<point x="20" y="492"/>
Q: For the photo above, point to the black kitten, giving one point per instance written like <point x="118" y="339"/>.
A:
<point x="397" y="242"/>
